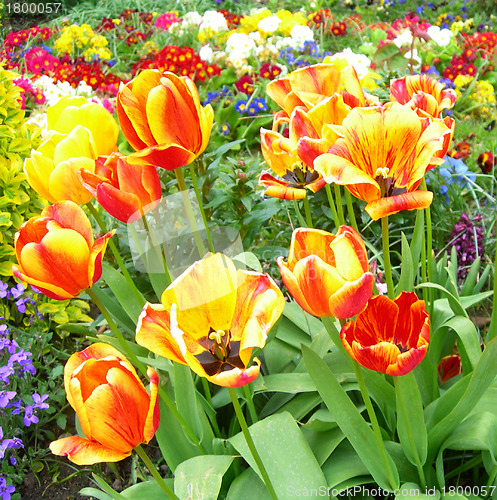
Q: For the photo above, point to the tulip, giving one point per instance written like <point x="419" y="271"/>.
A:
<point x="69" y="112"/>
<point x="161" y="117"/>
<point x="384" y="155"/>
<point x="113" y="407"/>
<point x="326" y="274"/>
<point x="125" y="191"/>
<point x="449" y="367"/>
<point x="52" y="169"/>
<point x="211" y="318"/>
<point x="422" y="92"/>
<point x="389" y="336"/>
<point x="56" y="251"/>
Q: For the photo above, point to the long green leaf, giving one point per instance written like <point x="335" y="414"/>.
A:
<point x="349" y="419"/>
<point x="406" y="280"/>
<point x="248" y="486"/>
<point x="285" y="454"/>
<point x="480" y="379"/>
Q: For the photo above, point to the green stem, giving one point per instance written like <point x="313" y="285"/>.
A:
<point x="299" y="214"/>
<point x="189" y="212"/>
<point x="207" y="394"/>
<point x="350" y="210"/>
<point x="492" y="328"/>
<point x="333" y="207"/>
<point x="338" y="199"/>
<point x="386" y="256"/>
<point x="335" y="337"/>
<point x="156" y="246"/>
<point x="150" y="466"/>
<point x="116" y="254"/>
<point x="142" y="368"/>
<point x="250" y="404"/>
<point x="250" y="443"/>
<point x="307" y="210"/>
<point x="429" y="250"/>
<point x="374" y="422"/>
<point x="423" y="265"/>
<point x="201" y="206"/>
<point x="402" y="404"/>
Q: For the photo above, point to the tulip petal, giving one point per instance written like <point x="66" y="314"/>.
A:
<point x="96" y="256"/>
<point x="382" y="207"/>
<point x="280" y="189"/>
<point x="123" y="206"/>
<point x="61" y="258"/>
<point x="38" y="169"/>
<point x="306" y="242"/>
<point x="167" y="156"/>
<point x="407" y="361"/>
<point x="315" y="83"/>
<point x="64" y="183"/>
<point x="79" y="142"/>
<point x="205" y="295"/>
<point x="153" y="331"/>
<point x="84" y="452"/>
<point x="152" y="420"/>
<point x="236" y="377"/>
<point x="351" y="297"/>
<point x="54" y="112"/>
<point x="48" y="289"/>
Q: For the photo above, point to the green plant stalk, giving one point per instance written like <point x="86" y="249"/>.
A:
<point x="333" y="207"/>
<point x="338" y="198"/>
<point x="386" y="256"/>
<point x="250" y="404"/>
<point x="250" y="442"/>
<point x="423" y="266"/>
<point x="207" y="394"/>
<point x="350" y="210"/>
<point x="299" y="214"/>
<point x="307" y="210"/>
<point x="189" y="211"/>
<point x="154" y="243"/>
<point x="115" y="252"/>
<point x="150" y="466"/>
<point x="491" y="478"/>
<point x="142" y="368"/>
<point x="403" y="409"/>
<point x="200" y="204"/>
<point x="429" y="249"/>
<point x="335" y="337"/>
<point x="492" y="328"/>
<point x="374" y="420"/>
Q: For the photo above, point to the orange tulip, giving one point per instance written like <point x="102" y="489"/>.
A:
<point x="161" y="117"/>
<point x="56" y="251"/>
<point x="326" y="274"/>
<point x="211" y="318"/>
<point x="114" y="409"/>
<point x="125" y="191"/>
<point x="389" y="336"/>
<point x="449" y="367"/>
<point x="384" y="155"/>
<point x="422" y="92"/>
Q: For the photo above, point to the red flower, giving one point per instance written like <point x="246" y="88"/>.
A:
<point x="389" y="336"/>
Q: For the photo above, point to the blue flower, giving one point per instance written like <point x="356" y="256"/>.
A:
<point x="29" y="416"/>
<point x="38" y="401"/>
<point x="5" y="489"/>
<point x="225" y="128"/>
<point x="6" y="397"/>
<point x="17" y="291"/>
<point x="241" y="106"/>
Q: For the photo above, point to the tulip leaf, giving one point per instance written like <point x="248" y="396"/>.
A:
<point x="284" y="452"/>
<point x="411" y="426"/>
<point x="110" y="491"/>
<point x="349" y="420"/>
<point x="94" y="493"/>
<point x="454" y="302"/>
<point x="450" y="414"/>
<point x="185" y="396"/>
<point x="343" y="465"/>
<point x="479" y="432"/>
<point x="201" y="477"/>
<point x="248" y="486"/>
<point x="115" y="310"/>
<point x="146" y="490"/>
<point x="417" y="239"/>
<point x="121" y="290"/>
<point x="406" y="280"/>
<point x="285" y="382"/>
<point x="323" y="444"/>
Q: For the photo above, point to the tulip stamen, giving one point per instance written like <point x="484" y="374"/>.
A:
<point x="387" y="184"/>
<point x="300" y="176"/>
<point x="402" y="348"/>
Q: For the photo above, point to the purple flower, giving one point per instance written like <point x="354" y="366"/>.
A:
<point x="5" y="489"/>
<point x="17" y="407"/>
<point x="5" y="398"/>
<point x="5" y="373"/>
<point x="17" y="291"/>
<point x="3" y="290"/>
<point x="21" y="305"/>
<point x="38" y="401"/>
<point x="29" y="416"/>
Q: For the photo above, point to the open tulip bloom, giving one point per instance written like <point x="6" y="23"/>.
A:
<point x="114" y="409"/>
<point x="389" y="336"/>
<point x="211" y="318"/>
<point x="56" y="252"/>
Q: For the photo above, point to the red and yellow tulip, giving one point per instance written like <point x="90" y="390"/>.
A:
<point x="383" y="156"/>
<point x="125" y="191"/>
<point x="161" y="117"/>
<point x="56" y="251"/>
<point x="328" y="274"/>
<point x="422" y="92"/>
<point x="211" y="318"/>
<point x="113" y="407"/>
<point x="389" y="336"/>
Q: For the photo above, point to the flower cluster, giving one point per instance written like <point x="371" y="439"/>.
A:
<point x="82" y="40"/>
<point x="467" y="238"/>
<point x="164" y="21"/>
<point x="16" y="39"/>
<point x="29" y="92"/>
<point x="481" y="100"/>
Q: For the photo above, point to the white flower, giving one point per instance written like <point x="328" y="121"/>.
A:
<point x="441" y="37"/>
<point x="213" y="20"/>
<point x="301" y="34"/>
<point x="255" y="36"/>
<point x="405" y="38"/>
<point x="269" y="24"/>
<point x="192" y="19"/>
<point x="241" y="44"/>
<point x="413" y="56"/>
<point x="206" y="54"/>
